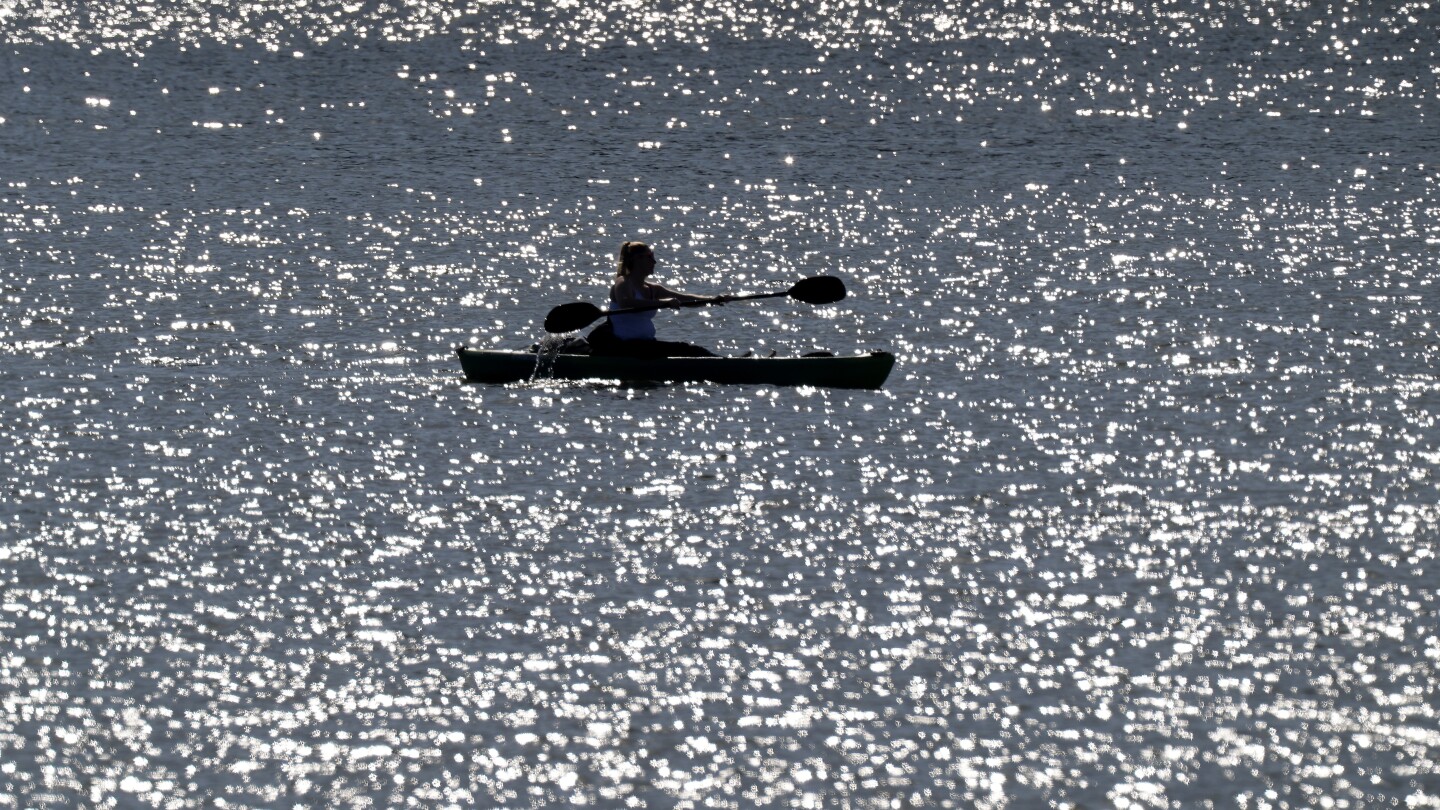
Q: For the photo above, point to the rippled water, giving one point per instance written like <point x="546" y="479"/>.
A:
<point x="1146" y="515"/>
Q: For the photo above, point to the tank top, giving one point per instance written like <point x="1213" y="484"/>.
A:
<point x="634" y="325"/>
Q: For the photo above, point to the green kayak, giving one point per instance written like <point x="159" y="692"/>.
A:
<point x="824" y="371"/>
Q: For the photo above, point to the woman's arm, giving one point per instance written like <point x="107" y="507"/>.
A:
<point x="666" y="294"/>
<point x="625" y="296"/>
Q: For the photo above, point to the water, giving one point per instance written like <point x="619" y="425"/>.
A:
<point x="1145" y="516"/>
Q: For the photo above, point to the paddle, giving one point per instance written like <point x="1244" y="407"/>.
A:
<point x="577" y="316"/>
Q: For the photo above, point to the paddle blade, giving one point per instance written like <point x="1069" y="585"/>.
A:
<point x="819" y="290"/>
<point x="572" y="317"/>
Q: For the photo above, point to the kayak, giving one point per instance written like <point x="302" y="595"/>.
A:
<point x="821" y="371"/>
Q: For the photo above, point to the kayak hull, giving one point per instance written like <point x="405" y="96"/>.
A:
<point x="867" y="371"/>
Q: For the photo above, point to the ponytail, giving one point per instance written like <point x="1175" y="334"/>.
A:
<point x="628" y="252"/>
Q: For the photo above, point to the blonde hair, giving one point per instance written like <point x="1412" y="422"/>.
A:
<point x="628" y="252"/>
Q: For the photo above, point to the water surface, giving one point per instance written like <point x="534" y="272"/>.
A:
<point x="1145" y="516"/>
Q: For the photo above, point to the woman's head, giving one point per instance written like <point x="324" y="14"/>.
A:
<point x="635" y="256"/>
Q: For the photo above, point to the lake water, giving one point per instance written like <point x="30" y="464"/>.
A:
<point x="1146" y="515"/>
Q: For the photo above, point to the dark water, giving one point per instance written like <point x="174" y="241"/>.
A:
<point x="1146" y="515"/>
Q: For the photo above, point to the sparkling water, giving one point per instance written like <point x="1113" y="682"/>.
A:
<point x="1145" y="516"/>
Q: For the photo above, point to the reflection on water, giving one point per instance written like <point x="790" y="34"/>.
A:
<point x="1144" y="517"/>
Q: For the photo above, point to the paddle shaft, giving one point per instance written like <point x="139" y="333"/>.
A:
<point x="572" y="317"/>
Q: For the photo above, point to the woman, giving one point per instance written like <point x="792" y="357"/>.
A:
<point x="633" y="333"/>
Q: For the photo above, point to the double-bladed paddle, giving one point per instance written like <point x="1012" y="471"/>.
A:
<point x="577" y="316"/>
